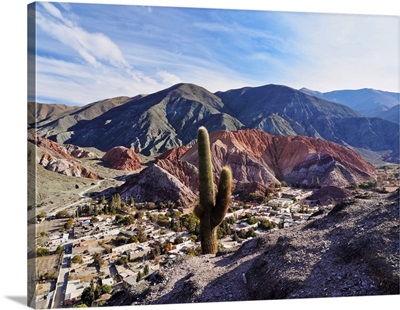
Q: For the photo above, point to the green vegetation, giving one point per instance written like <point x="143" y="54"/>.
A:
<point x="42" y="252"/>
<point x="265" y="225"/>
<point x="69" y="223"/>
<point x="62" y="214"/>
<point x="146" y="270"/>
<point x="41" y="215"/>
<point x="191" y="223"/>
<point x="59" y="249"/>
<point x="98" y="260"/>
<point x="211" y="209"/>
<point x="178" y="240"/>
<point x="93" y="292"/>
<point x="251" y="220"/>
<point x="122" y="260"/>
<point x="77" y="259"/>
<point x="43" y="234"/>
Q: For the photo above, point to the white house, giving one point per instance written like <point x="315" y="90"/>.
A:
<point x="74" y="290"/>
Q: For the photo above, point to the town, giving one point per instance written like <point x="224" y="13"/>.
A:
<point x="101" y="246"/>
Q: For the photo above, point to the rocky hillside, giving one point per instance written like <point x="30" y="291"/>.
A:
<point x="351" y="249"/>
<point x="170" y="118"/>
<point x="56" y="122"/>
<point x="392" y="114"/>
<point x="283" y="110"/>
<point x="151" y="124"/>
<point x="122" y="158"/>
<point x="62" y="159"/>
<point x="254" y="157"/>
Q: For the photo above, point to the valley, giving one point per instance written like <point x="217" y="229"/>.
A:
<point x="115" y="184"/>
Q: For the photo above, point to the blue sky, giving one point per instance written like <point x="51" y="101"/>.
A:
<point x="89" y="52"/>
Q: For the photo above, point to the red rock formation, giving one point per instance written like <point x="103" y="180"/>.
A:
<point x="122" y="158"/>
<point x="183" y="171"/>
<point x="256" y="159"/>
<point x="256" y="156"/>
<point x="47" y="144"/>
<point x="61" y="159"/>
<point x="76" y="151"/>
<point x="67" y="167"/>
<point x="174" y="154"/>
<point x="156" y="184"/>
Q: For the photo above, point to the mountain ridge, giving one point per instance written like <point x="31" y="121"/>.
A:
<point x="169" y="118"/>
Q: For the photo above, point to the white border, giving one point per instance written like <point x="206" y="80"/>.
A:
<point x="13" y="143"/>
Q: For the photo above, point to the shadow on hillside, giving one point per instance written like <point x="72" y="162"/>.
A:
<point x="184" y="291"/>
<point x="360" y="261"/>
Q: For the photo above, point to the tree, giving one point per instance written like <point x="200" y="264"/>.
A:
<point x="94" y="220"/>
<point x="211" y="209"/>
<point x="69" y="223"/>
<point x="146" y="270"/>
<point x="42" y="252"/>
<point x="62" y="214"/>
<point x="43" y="234"/>
<point x="122" y="260"/>
<point x="178" y="240"/>
<point x="142" y="237"/>
<point x="106" y="289"/>
<point x="59" y="249"/>
<point x="77" y="259"/>
<point x="251" y="233"/>
<point x="190" y="222"/>
<point x="235" y="237"/>
<point x="41" y="215"/>
<point x="88" y="296"/>
<point x="131" y="201"/>
<point x="128" y="220"/>
<point x="98" y="260"/>
<point x="265" y="224"/>
<point x="251" y="220"/>
<point x="163" y="221"/>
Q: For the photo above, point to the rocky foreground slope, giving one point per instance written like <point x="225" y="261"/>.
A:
<point x="351" y="249"/>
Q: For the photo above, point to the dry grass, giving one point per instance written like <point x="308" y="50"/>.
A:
<point x="47" y="264"/>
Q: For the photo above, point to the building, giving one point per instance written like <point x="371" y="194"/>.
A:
<point x="74" y="291"/>
<point x="280" y="202"/>
<point x="57" y="240"/>
<point x="123" y="248"/>
<point x="129" y="281"/>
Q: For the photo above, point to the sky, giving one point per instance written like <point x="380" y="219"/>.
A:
<point x="89" y="52"/>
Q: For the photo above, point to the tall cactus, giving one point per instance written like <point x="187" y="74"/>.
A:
<point x="211" y="210"/>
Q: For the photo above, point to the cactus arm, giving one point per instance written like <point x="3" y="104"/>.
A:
<point x="206" y="183"/>
<point x="223" y="197"/>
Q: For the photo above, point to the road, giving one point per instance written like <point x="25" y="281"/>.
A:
<point x="62" y="282"/>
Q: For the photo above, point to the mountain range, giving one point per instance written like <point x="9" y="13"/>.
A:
<point x="151" y="124"/>
<point x="368" y="102"/>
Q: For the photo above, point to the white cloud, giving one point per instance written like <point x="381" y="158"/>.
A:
<point x="168" y="78"/>
<point x="93" y="47"/>
<point x="52" y="9"/>
<point x="346" y="51"/>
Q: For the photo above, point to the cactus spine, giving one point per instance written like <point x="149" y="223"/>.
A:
<point x="211" y="210"/>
